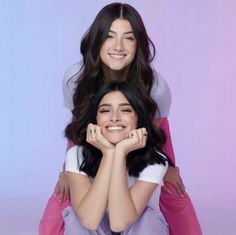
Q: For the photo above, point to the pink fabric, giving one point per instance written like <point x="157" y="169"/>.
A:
<point x="178" y="211"/>
<point x="52" y="222"/>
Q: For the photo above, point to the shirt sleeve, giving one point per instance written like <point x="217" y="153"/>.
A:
<point x="74" y="159"/>
<point x="161" y="94"/>
<point x="154" y="173"/>
<point x="68" y="85"/>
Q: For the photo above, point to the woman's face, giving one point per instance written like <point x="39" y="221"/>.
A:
<point x="116" y="116"/>
<point x="118" y="50"/>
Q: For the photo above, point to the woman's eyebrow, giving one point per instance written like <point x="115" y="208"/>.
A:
<point x="129" y="32"/>
<point x="124" y="104"/>
<point x="104" y="105"/>
<point x="108" y="105"/>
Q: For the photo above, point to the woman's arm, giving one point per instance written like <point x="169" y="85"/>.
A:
<point x="126" y="205"/>
<point x="89" y="198"/>
<point x="62" y="191"/>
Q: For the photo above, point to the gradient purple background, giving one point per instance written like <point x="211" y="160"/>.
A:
<point x="196" y="48"/>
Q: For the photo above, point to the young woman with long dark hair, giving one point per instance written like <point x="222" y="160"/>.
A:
<point x="116" y="47"/>
<point x="117" y="166"/>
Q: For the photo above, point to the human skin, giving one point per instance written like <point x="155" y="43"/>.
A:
<point x="118" y="50"/>
<point x="115" y="134"/>
<point x="117" y="53"/>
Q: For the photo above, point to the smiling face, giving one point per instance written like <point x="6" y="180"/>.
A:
<point x="116" y="116"/>
<point x="118" y="50"/>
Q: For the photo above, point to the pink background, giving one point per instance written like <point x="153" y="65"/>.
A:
<point x="196" y="48"/>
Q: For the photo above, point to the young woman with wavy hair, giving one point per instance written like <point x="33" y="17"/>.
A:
<point x="117" y="167"/>
<point x="116" y="47"/>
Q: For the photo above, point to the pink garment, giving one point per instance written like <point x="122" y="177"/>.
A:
<point x="52" y="222"/>
<point x="178" y="211"/>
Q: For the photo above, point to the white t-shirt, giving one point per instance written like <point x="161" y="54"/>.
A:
<point x="160" y="91"/>
<point x="152" y="173"/>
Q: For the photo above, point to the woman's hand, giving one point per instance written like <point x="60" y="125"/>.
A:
<point x="62" y="187"/>
<point x="97" y="139"/>
<point x="135" y="139"/>
<point x="173" y="176"/>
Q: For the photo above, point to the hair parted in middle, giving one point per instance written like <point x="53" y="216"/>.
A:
<point x="91" y="77"/>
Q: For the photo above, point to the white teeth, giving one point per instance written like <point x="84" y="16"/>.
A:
<point x="115" y="128"/>
<point x="117" y="56"/>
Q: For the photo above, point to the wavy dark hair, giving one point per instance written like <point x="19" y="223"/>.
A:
<point x="91" y="77"/>
<point x="137" y="160"/>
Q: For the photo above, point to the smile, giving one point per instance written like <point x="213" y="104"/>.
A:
<point x="117" y="56"/>
<point x="115" y="128"/>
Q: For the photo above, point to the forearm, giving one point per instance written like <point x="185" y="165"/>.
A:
<point x="122" y="210"/>
<point x="92" y="207"/>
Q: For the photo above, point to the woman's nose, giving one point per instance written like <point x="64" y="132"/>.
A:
<point x="118" y="44"/>
<point x="115" y="117"/>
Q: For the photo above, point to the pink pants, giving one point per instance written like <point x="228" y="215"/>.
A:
<point x="178" y="211"/>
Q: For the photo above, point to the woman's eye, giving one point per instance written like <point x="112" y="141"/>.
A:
<point x="130" y="38"/>
<point x="109" y="36"/>
<point x="127" y="110"/>
<point x="103" y="110"/>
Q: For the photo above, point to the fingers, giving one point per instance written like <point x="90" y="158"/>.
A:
<point x="91" y="132"/>
<point x="173" y="188"/>
<point x="166" y="189"/>
<point x="136" y="139"/>
<point x="62" y="188"/>
<point x="96" y="138"/>
<point x="179" y="183"/>
<point x="142" y="136"/>
<point x="180" y="187"/>
<point x="173" y="176"/>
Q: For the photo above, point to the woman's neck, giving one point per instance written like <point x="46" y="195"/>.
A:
<point x="115" y="75"/>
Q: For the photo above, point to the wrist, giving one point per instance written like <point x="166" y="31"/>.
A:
<point x="108" y="152"/>
<point x="120" y="153"/>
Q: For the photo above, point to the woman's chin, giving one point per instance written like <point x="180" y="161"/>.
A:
<point x="115" y="139"/>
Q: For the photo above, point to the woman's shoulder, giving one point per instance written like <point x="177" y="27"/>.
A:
<point x="69" y="83"/>
<point x="161" y="94"/>
<point x="70" y="76"/>
<point x="159" y="83"/>
<point x="154" y="173"/>
<point x="74" y="158"/>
